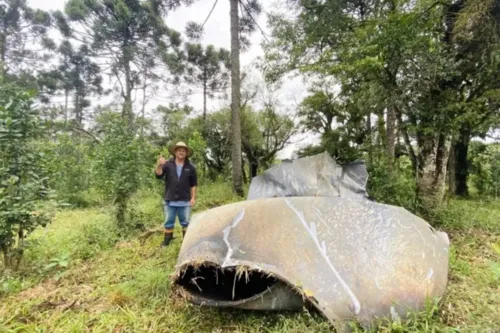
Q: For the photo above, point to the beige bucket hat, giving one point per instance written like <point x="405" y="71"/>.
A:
<point x="180" y="144"/>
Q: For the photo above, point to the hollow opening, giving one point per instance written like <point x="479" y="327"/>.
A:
<point x="224" y="284"/>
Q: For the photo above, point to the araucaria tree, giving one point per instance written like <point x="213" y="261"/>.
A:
<point x="208" y="70"/>
<point x="130" y="36"/>
<point x="243" y="15"/>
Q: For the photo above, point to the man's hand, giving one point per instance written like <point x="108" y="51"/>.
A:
<point x="162" y="160"/>
<point x="192" y="202"/>
<point x="159" y="166"/>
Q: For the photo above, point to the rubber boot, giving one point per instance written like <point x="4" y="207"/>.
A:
<point x="167" y="238"/>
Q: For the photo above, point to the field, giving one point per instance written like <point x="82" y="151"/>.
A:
<point x="82" y="274"/>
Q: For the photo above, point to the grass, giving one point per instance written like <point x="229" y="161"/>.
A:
<point x="81" y="276"/>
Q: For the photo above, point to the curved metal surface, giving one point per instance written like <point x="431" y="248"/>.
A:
<point x="311" y="176"/>
<point x="350" y="257"/>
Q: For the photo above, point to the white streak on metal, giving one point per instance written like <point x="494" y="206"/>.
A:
<point x="226" y="232"/>
<point x="376" y="283"/>
<point x="323" y="247"/>
<point x="273" y="306"/>
<point x="430" y="273"/>
<point x="300" y="215"/>
<point x="312" y="227"/>
<point x="318" y="214"/>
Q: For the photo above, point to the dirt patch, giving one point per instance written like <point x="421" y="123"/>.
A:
<point x="44" y="290"/>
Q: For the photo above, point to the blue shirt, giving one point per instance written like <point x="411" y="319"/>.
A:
<point x="179" y="203"/>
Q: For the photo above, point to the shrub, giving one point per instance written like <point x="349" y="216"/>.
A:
<point x="118" y="162"/>
<point x="22" y="186"/>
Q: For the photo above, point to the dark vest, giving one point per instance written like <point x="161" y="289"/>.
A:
<point x="178" y="189"/>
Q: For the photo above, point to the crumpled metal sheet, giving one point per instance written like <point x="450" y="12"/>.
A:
<point x="311" y="176"/>
<point x="349" y="257"/>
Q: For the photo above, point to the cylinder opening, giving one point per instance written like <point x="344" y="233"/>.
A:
<point x="228" y="284"/>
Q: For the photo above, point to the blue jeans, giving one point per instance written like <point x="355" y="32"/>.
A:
<point x="172" y="212"/>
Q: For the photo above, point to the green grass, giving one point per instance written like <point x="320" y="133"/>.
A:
<point x="80" y="276"/>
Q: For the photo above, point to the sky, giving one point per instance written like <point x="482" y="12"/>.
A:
<point x="217" y="33"/>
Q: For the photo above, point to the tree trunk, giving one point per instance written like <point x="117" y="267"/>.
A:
<point x="431" y="172"/>
<point x="461" y="162"/>
<point x="403" y="129"/>
<point x="390" y="137"/>
<point x="121" y="210"/>
<point x="204" y="101"/>
<point x="66" y="98"/>
<point x="451" y="169"/>
<point x="78" y="111"/>
<point x="3" y="51"/>
<point x="127" y="105"/>
<point x="235" y="99"/>
<point x="254" y="168"/>
<point x="369" y="137"/>
<point x="243" y="172"/>
<point x="6" y="258"/>
<point x="381" y="129"/>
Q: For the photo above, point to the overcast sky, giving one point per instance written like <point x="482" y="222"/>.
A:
<point x="217" y="33"/>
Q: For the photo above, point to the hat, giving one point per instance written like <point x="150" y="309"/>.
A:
<point x="180" y="144"/>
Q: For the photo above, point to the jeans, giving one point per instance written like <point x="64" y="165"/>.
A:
<point x="172" y="212"/>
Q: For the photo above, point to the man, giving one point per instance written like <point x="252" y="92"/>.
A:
<point x="180" y="188"/>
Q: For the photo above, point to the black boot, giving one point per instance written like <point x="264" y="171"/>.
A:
<point x="167" y="238"/>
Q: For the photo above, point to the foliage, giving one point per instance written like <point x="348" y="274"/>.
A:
<point x="402" y="62"/>
<point x="199" y="147"/>
<point x="207" y="70"/>
<point x="173" y="120"/>
<point x="397" y="188"/>
<point x="264" y="134"/>
<point x="68" y="162"/>
<point x="76" y="73"/>
<point x="118" y="163"/>
<point x="22" y="182"/>
<point x="20" y="27"/>
<point x="485" y="168"/>
<point x="131" y="36"/>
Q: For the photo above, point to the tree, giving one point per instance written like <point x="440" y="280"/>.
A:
<point x="22" y="183"/>
<point x="485" y="168"/>
<point x="199" y="147"/>
<point x="264" y="134"/>
<point x="218" y="138"/>
<point x="130" y="36"/>
<point x="68" y="164"/>
<point x="173" y="121"/>
<point x="207" y="69"/>
<point x="409" y="53"/>
<point x="118" y="162"/>
<point x="241" y="25"/>
<point x="20" y="27"/>
<point x="76" y="73"/>
<point x="235" y="99"/>
<point x="474" y="36"/>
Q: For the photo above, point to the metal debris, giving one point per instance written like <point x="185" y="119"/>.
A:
<point x="308" y="235"/>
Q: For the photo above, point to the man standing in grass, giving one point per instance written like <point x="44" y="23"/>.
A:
<point x="180" y="188"/>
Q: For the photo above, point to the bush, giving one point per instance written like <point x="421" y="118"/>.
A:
<point x="118" y="163"/>
<point x="396" y="189"/>
<point x="22" y="185"/>
<point x="68" y="161"/>
<point x="485" y="168"/>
